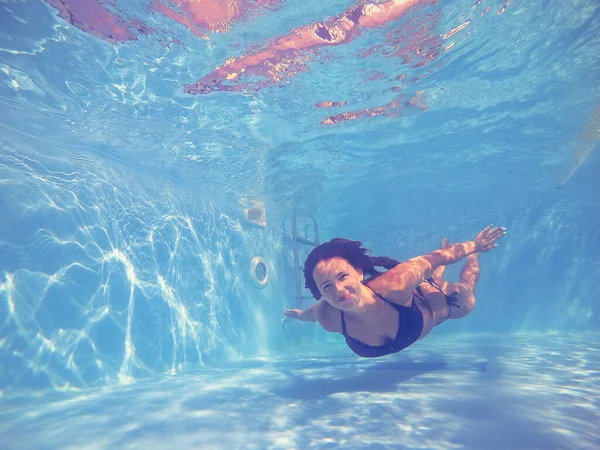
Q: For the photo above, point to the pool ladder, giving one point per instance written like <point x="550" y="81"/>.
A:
<point x="297" y="268"/>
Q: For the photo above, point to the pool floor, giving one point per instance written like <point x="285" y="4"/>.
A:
<point x="465" y="392"/>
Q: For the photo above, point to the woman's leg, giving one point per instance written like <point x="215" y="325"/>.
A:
<point x="439" y="272"/>
<point x="465" y="288"/>
<point x="434" y="305"/>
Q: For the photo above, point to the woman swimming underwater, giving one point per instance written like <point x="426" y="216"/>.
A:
<point x="387" y="312"/>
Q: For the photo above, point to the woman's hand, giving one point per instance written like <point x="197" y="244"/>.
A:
<point x="486" y="239"/>
<point x="308" y="315"/>
<point x="293" y="313"/>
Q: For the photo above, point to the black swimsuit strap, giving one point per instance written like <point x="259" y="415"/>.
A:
<point x="451" y="300"/>
<point x="343" y="324"/>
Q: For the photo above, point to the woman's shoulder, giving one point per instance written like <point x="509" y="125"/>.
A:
<point x="329" y="317"/>
<point x="388" y="286"/>
<point x="383" y="283"/>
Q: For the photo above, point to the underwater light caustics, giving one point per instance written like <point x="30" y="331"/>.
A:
<point x="587" y="140"/>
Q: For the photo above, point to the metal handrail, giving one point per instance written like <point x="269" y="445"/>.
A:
<point x="297" y="267"/>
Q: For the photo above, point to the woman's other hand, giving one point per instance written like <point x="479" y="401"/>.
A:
<point x="486" y="239"/>
<point x="293" y="313"/>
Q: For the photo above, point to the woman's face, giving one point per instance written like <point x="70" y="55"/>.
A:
<point x="340" y="284"/>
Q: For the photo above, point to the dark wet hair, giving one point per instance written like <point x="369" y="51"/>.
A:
<point x="351" y="251"/>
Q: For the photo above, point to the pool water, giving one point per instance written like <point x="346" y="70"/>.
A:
<point x="151" y="152"/>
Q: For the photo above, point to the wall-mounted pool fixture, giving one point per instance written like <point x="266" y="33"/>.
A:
<point x="259" y="272"/>
<point x="256" y="214"/>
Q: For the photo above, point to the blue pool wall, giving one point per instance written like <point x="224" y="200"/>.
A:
<point x="106" y="278"/>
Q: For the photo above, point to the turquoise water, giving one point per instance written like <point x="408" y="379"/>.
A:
<point x="127" y="306"/>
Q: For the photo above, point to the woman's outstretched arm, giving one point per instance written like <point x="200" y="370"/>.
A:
<point x="402" y="280"/>
<point x="319" y="312"/>
<point x="310" y="314"/>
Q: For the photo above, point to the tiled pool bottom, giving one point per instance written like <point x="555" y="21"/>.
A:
<point x="470" y="392"/>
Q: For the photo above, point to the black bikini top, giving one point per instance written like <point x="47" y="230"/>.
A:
<point x="410" y="325"/>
